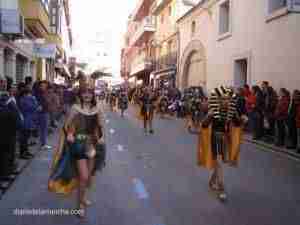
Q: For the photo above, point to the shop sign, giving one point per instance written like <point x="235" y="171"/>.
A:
<point x="44" y="50"/>
<point x="11" y="22"/>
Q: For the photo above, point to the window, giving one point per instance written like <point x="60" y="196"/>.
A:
<point x="193" y="28"/>
<point x="169" y="46"/>
<point x="276" y="4"/>
<point x="170" y="10"/>
<point x="224" y="17"/>
<point x="46" y="4"/>
<point x="279" y="8"/>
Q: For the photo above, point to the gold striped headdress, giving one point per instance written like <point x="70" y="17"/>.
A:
<point x="214" y="103"/>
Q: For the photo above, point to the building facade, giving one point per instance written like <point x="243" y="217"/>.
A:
<point x="235" y="42"/>
<point x="137" y="54"/>
<point x="165" y="40"/>
<point x="26" y="27"/>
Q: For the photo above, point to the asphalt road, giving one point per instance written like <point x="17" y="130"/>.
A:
<point x="154" y="180"/>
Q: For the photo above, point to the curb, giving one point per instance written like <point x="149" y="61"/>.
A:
<point x="272" y="148"/>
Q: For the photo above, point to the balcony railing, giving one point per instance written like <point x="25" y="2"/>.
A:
<point x="166" y="61"/>
<point x="141" y="63"/>
<point x="146" y="25"/>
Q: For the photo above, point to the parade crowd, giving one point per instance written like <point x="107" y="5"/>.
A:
<point x="274" y="117"/>
<point x="29" y="112"/>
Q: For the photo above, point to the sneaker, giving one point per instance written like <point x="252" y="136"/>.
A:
<point x="46" y="147"/>
<point x="26" y="157"/>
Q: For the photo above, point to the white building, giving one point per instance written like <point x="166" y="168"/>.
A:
<point x="234" y="42"/>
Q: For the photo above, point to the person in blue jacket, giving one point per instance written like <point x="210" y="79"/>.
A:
<point x="28" y="106"/>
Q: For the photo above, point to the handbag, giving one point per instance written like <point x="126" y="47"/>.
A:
<point x="100" y="157"/>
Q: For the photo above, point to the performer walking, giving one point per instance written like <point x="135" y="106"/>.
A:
<point x="220" y="137"/>
<point x="147" y="110"/>
<point x="123" y="102"/>
<point x="81" y="150"/>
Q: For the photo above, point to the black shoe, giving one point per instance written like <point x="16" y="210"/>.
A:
<point x="16" y="172"/>
<point x="8" y="178"/>
<point x="291" y="147"/>
<point x="151" y="131"/>
<point x="279" y="144"/>
<point x="32" y="143"/>
<point x="25" y="156"/>
<point x="29" y="154"/>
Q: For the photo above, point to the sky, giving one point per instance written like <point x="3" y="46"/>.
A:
<point x="98" y="30"/>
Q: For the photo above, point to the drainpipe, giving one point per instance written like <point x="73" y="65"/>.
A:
<point x="178" y="59"/>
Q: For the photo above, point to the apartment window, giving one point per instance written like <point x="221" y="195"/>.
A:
<point x="46" y="4"/>
<point x="170" y="10"/>
<point x="274" y="5"/>
<point x="169" y="46"/>
<point x="193" y="28"/>
<point x="224" y="17"/>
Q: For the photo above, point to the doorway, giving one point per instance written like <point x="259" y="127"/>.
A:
<point x="240" y="72"/>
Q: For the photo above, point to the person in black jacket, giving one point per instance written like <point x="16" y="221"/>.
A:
<point x="8" y="132"/>
<point x="258" y="116"/>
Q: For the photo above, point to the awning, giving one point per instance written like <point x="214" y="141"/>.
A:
<point x="165" y="73"/>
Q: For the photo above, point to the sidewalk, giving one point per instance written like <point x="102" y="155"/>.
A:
<point x="22" y="165"/>
<point x="271" y="147"/>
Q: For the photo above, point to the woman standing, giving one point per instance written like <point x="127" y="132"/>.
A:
<point x="81" y="149"/>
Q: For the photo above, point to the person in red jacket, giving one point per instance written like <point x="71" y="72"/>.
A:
<point x="281" y="116"/>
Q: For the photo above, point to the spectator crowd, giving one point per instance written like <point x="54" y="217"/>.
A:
<point x="28" y="111"/>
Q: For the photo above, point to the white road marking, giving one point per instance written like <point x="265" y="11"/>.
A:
<point x="120" y="148"/>
<point x="111" y="131"/>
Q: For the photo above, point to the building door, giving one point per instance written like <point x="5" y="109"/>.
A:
<point x="195" y="70"/>
<point x="20" y="69"/>
<point x="240" y="72"/>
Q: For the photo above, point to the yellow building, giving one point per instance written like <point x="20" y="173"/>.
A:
<point x="166" y="39"/>
<point x="43" y="21"/>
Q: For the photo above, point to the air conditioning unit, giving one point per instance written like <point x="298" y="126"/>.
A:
<point x="11" y="23"/>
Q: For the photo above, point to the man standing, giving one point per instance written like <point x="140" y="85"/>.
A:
<point x="43" y="113"/>
<point x="8" y="130"/>
<point x="148" y="100"/>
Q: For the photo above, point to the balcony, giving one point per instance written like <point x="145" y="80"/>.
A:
<point x="36" y="17"/>
<point x="56" y="39"/>
<point x="166" y="62"/>
<point x="158" y="5"/>
<point x="142" y="9"/>
<point x="145" y="28"/>
<point x="141" y="63"/>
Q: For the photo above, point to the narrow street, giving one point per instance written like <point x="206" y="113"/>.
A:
<point x="154" y="180"/>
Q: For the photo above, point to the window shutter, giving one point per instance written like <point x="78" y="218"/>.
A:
<point x="294" y="5"/>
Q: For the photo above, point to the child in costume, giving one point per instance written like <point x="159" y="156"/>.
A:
<point x="220" y="137"/>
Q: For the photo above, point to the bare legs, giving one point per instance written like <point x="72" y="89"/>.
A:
<point x="85" y="168"/>
<point x="148" y="118"/>
<point x="216" y="181"/>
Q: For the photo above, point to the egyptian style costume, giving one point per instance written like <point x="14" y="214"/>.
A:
<point x="86" y="125"/>
<point x="221" y="131"/>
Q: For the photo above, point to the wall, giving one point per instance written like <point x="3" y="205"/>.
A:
<point x="271" y="47"/>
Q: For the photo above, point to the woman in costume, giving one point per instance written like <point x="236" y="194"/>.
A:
<point x="81" y="150"/>
<point x="220" y="137"/>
